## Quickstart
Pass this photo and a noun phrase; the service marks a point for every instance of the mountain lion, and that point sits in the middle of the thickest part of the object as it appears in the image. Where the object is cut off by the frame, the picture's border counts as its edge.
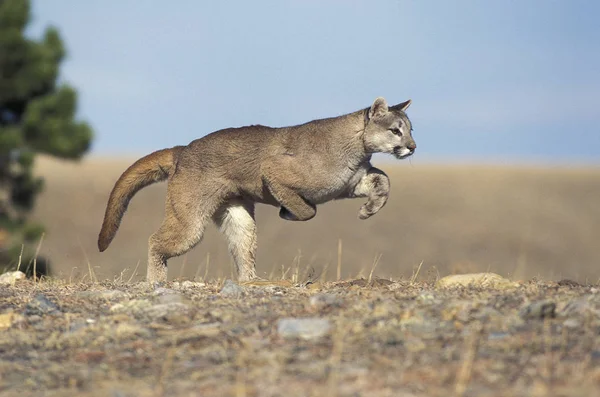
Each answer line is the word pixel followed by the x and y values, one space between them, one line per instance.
pixel 221 176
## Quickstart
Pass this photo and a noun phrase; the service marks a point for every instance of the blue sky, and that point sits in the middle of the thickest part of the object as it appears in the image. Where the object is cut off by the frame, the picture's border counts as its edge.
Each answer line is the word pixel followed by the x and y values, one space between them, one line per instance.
pixel 509 80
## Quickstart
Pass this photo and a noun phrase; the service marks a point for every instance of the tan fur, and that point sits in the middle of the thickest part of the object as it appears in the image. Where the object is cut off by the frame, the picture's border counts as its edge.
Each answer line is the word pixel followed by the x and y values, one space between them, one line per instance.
pixel 221 176
pixel 152 168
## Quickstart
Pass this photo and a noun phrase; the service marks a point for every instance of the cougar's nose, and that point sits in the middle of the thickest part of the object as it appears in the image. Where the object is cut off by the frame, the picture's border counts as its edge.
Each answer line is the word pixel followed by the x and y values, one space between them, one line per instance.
pixel 412 146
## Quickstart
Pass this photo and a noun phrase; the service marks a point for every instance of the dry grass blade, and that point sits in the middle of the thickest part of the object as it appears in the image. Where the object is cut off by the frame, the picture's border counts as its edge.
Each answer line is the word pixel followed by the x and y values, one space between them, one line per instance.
pixel 413 279
pixel 37 252
pixel 20 257
pixel 134 272
pixel 339 260
pixel 375 263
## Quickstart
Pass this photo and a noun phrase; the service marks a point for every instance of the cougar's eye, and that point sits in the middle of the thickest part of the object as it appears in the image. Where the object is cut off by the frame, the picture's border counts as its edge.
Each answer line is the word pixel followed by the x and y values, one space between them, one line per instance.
pixel 396 131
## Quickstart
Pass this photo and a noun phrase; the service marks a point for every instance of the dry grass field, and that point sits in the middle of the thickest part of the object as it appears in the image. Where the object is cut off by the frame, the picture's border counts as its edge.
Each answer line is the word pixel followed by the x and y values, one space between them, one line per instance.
pixel 520 222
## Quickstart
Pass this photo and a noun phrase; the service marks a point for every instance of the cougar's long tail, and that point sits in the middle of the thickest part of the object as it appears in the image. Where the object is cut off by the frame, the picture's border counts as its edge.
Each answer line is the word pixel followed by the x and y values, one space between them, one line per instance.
pixel 152 168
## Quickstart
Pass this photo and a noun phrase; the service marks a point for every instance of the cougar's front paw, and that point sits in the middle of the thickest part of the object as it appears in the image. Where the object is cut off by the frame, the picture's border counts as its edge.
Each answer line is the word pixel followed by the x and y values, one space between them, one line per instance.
pixel 365 212
pixel 287 215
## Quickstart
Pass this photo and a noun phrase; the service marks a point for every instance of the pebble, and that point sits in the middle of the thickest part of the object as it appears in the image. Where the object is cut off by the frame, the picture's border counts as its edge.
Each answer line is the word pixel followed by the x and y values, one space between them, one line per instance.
pixel 108 294
pixel 41 305
pixel 303 328
pixel 232 290
pixel 187 284
pixel 578 307
pixel 482 280
pixel 323 300
pixel 8 319
pixel 11 278
pixel 538 310
pixel 142 308
pixel 572 323
pixel 164 291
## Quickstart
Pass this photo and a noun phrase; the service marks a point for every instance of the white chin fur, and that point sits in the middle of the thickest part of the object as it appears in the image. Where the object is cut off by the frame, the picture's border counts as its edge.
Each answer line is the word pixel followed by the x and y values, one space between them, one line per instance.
pixel 403 153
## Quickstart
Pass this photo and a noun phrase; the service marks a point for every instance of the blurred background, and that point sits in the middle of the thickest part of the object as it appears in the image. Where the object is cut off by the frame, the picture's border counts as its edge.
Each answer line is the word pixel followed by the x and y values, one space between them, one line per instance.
pixel 506 176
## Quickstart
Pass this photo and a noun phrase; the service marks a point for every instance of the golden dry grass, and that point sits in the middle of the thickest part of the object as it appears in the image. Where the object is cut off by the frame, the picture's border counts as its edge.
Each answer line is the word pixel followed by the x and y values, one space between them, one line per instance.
pixel 520 222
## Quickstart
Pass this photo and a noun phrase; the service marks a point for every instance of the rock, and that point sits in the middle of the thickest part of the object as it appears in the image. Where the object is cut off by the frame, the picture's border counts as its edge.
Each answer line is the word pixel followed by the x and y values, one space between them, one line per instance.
pixel 578 307
pixel 538 310
pixel 172 298
pixel 375 282
pixel 569 283
pixel 130 331
pixel 166 295
pixel 107 294
pixel 133 306
pixel 498 335
pixel 187 284
pixel 232 290
pixel 572 323
pixel 10 278
pixel 141 308
pixel 426 297
pixel 8 319
pixel 313 285
pixel 323 300
pixel 268 283
pixel 167 310
pixel 41 305
pixel 303 328
pixel 414 344
pixel 481 280
pixel 164 291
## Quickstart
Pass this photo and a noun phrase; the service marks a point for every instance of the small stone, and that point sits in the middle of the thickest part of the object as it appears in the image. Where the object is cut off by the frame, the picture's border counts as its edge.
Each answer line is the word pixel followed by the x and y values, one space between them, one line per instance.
pixel 498 335
pixel 268 283
pixel 374 282
pixel 172 298
pixel 572 323
pixel 133 306
pixel 187 284
pixel 41 305
pixel 481 280
pixel 232 290
pixel 539 310
pixel 107 294
pixel 129 331
pixel 10 278
pixel 414 345
pixel 8 319
pixel 321 301
pixel 569 283
pixel 578 307
pixel 165 310
pixel 426 297
pixel 303 328
pixel 164 291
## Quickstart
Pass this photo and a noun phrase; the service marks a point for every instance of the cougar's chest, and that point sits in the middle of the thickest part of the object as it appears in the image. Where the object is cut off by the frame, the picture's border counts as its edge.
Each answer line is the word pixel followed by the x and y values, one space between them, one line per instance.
pixel 335 184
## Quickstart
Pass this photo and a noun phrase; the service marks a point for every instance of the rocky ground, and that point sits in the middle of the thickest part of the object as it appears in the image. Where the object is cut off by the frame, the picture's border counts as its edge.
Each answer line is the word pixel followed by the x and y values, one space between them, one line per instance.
pixel 346 338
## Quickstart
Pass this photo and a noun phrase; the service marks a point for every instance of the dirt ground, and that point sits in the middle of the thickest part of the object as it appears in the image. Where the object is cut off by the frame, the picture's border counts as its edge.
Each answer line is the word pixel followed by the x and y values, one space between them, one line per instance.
pixel 348 338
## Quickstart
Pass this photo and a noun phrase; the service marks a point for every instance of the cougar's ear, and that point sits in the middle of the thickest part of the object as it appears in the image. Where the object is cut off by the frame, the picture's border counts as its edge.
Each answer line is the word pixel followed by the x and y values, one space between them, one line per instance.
pixel 379 108
pixel 404 105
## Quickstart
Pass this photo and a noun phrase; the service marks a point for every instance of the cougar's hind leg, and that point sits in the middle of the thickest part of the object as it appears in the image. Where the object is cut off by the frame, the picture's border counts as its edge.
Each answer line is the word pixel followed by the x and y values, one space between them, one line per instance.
pixel 235 220
pixel 186 215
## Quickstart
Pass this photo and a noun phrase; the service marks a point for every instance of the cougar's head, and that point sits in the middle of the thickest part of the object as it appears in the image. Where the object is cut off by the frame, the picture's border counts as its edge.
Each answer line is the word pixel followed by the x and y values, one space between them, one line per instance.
pixel 388 129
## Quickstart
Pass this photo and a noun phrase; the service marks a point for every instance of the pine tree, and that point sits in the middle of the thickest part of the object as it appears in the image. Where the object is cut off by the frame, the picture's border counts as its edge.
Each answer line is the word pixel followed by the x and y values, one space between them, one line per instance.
pixel 36 116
